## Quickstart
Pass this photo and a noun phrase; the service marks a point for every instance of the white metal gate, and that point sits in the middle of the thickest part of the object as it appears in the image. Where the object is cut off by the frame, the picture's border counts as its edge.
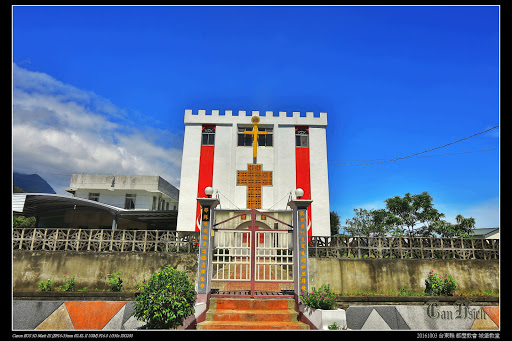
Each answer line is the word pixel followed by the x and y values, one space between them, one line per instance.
pixel 274 258
pixel 231 258
pixel 252 262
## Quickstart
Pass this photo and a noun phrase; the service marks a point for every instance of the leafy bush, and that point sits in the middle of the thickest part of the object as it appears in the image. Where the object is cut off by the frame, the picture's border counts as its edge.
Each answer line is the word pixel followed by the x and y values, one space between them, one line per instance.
pixel 70 283
pixel 322 298
pixel 45 286
pixel 437 285
pixel 166 300
pixel 334 326
pixel 116 283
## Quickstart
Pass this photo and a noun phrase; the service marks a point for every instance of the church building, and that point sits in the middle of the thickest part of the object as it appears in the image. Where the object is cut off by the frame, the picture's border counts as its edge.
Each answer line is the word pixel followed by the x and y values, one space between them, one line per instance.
pixel 254 160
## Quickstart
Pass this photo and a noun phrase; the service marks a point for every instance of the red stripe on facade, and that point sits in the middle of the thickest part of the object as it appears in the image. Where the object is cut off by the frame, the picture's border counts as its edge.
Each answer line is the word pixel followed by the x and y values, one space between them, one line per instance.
pixel 302 175
pixel 205 175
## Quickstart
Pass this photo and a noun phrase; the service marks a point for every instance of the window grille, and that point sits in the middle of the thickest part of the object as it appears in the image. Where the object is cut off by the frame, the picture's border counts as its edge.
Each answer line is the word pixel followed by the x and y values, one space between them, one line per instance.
pixel 208 136
pixel 301 137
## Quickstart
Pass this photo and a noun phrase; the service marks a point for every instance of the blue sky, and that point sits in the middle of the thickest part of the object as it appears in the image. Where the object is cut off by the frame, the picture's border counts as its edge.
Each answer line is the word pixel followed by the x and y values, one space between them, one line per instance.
pixel 103 89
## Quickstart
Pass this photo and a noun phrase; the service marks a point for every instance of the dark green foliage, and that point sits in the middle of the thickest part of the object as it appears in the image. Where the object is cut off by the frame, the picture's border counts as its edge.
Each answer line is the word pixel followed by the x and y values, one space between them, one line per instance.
pixel 335 223
pixel 410 215
pixel 166 300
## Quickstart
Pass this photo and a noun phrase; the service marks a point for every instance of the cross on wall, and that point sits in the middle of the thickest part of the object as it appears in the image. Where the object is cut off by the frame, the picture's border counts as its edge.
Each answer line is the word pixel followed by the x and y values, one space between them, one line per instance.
pixel 254 178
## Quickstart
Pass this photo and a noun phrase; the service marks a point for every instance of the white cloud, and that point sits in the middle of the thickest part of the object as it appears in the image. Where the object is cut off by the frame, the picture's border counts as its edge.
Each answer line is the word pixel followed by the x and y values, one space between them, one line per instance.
pixel 60 129
pixel 486 213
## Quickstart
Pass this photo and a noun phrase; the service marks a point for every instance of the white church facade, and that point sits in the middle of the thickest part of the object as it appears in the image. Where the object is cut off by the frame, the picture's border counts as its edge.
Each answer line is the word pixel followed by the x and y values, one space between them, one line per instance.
pixel 219 152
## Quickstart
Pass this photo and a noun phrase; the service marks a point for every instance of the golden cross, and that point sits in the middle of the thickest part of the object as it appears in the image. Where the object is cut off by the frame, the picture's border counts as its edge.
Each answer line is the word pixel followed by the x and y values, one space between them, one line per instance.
pixel 255 120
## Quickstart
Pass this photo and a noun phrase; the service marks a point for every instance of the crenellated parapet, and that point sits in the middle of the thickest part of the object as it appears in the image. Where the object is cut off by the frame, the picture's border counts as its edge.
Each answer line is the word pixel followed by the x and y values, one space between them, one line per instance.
pixel 308 118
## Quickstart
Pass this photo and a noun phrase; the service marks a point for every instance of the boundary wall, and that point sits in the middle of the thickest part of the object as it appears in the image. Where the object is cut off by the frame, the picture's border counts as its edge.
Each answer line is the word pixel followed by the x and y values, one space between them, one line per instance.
pixel 343 275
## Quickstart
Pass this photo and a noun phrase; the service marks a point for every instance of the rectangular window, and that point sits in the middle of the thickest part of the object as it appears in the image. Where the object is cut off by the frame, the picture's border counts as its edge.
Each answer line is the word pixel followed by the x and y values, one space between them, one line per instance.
pixel 129 201
pixel 245 140
pixel 208 136
pixel 265 140
pixel 301 137
pixel 153 207
pixel 94 196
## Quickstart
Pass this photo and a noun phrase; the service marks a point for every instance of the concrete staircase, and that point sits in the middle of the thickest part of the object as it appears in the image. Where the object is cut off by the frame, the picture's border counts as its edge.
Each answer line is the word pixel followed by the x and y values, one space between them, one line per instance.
pixel 250 313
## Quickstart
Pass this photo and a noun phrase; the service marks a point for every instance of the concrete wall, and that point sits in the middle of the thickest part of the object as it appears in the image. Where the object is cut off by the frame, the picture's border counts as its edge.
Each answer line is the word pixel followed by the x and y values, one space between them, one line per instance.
pixel 189 178
pixel 29 268
pixel 346 275
pixel 320 211
pixel 350 275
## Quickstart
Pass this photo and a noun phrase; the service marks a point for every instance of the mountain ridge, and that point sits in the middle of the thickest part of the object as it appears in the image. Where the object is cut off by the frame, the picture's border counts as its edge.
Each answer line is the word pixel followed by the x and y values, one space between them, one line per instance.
pixel 31 183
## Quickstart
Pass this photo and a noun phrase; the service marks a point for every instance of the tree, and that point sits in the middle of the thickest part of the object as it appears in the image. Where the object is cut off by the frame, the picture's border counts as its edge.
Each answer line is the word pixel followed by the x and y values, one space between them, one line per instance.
pixel 462 229
pixel 373 222
pixel 335 223
pixel 22 221
pixel 412 210
pixel 414 214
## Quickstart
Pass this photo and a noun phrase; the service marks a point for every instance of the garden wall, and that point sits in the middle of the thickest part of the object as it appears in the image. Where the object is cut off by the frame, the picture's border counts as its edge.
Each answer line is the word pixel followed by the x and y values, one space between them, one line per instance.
pixel 351 275
pixel 347 275
pixel 91 268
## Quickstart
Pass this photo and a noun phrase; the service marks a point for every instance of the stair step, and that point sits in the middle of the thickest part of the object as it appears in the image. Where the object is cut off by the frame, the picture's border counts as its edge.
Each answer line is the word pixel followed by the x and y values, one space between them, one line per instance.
pixel 246 325
pixel 254 303
pixel 252 315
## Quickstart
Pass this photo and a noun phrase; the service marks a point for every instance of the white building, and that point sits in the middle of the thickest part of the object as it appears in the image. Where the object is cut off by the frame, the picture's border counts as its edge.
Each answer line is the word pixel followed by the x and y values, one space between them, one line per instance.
pixel 131 192
pixel 218 151
pixel 104 201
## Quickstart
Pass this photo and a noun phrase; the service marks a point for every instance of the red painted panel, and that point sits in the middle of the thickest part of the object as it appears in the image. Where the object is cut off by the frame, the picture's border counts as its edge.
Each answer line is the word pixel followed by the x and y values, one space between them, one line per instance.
pixel 302 176
pixel 205 175
pixel 92 315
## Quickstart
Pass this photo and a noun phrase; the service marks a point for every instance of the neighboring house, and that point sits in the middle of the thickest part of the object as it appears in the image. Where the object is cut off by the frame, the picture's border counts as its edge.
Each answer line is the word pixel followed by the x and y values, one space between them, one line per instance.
pixel 105 201
pixel 487 233
pixel 131 192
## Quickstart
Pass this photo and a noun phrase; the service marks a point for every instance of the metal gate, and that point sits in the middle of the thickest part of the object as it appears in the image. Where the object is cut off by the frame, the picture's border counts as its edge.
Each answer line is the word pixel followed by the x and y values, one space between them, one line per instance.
pixel 252 261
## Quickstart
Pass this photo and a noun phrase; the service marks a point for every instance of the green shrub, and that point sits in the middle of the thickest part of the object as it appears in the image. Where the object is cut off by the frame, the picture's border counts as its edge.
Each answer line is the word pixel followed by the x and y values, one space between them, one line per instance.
pixel 334 326
pixel 115 280
pixel 70 283
pixel 322 298
pixel 437 285
pixel 45 286
pixel 166 300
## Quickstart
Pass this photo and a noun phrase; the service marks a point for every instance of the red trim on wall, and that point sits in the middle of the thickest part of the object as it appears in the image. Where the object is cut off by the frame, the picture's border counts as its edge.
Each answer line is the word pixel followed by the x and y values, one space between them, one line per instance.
pixel 205 174
pixel 302 175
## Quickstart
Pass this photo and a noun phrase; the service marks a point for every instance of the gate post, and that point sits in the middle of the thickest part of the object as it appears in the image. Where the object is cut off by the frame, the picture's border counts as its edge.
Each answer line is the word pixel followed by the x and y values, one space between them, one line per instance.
pixel 300 245
pixel 205 243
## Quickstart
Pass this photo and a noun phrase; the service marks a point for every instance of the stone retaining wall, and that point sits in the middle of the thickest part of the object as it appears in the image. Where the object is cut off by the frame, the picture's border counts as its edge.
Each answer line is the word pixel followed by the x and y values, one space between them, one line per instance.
pixel 351 275
pixel 91 268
